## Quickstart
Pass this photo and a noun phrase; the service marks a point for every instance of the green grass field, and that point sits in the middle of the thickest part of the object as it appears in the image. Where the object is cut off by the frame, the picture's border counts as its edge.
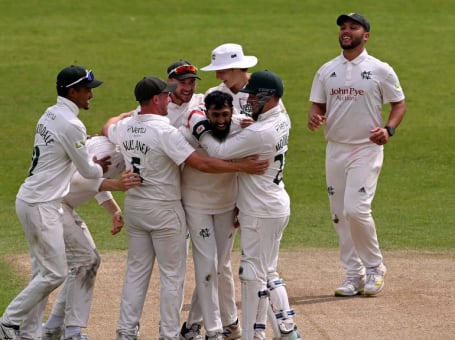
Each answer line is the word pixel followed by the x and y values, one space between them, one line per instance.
pixel 125 40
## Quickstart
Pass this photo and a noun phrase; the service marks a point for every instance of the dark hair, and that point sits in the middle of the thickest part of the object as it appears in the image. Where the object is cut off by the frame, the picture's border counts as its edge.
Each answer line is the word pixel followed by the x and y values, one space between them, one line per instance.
pixel 62 91
pixel 218 99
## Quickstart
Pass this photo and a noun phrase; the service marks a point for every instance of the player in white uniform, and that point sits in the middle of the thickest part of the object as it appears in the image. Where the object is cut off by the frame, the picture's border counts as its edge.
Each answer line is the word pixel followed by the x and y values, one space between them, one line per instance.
pixel 264 206
pixel 59 149
pixel 231 67
pixel 72 306
pixel 209 203
pixel 154 215
pixel 184 73
pixel 348 93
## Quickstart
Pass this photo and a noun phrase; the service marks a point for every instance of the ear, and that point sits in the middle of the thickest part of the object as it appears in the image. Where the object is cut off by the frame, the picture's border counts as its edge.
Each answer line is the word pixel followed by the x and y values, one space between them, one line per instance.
pixel 366 36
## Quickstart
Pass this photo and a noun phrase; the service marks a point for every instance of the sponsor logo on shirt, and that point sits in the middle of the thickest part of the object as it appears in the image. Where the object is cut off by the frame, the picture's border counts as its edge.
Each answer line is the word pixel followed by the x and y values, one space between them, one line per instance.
pixel 347 93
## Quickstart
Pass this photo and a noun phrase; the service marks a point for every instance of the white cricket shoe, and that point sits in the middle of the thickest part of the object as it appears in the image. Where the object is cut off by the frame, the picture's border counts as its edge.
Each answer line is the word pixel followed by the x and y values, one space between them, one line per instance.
pixel 288 330
pixel 375 280
pixel 193 333
pixel 9 332
pixel 233 331
pixel 217 336
pixel 351 286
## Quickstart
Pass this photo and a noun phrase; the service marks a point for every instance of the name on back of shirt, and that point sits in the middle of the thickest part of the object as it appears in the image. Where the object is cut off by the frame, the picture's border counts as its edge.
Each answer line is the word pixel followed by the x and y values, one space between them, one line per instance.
pixel 135 145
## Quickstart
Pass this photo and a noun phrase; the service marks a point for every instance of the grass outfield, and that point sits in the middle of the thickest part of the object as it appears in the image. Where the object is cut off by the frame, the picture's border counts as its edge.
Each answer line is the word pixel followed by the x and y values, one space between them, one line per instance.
pixel 125 40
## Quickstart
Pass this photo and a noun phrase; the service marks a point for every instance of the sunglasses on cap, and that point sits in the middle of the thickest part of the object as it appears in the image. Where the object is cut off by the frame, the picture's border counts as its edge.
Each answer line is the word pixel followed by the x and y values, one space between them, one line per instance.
pixel 183 69
pixel 88 76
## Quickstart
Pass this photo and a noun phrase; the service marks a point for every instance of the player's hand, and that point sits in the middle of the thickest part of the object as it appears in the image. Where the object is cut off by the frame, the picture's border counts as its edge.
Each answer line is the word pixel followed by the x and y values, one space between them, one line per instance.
pixel 252 165
pixel 246 122
pixel 315 121
pixel 130 179
pixel 117 223
pixel 103 162
pixel 379 136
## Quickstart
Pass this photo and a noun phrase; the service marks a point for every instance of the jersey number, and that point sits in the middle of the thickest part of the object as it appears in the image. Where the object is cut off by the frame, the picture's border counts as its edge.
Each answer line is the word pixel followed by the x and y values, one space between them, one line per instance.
pixel 35 157
pixel 136 161
pixel 279 175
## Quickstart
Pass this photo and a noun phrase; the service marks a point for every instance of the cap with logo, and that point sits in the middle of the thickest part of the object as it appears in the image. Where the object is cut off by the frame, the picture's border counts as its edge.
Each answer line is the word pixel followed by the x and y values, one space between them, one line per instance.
pixel 148 87
pixel 182 69
pixel 356 17
pixel 229 56
pixel 77 76
pixel 264 82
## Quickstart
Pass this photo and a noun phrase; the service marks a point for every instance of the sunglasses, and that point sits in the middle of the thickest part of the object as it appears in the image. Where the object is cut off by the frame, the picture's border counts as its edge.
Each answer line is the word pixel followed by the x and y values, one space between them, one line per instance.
pixel 183 69
pixel 88 75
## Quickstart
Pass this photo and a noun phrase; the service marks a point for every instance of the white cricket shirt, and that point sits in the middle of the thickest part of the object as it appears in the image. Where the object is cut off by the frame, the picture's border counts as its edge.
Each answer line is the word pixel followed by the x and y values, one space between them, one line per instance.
pixel 59 150
pixel 153 147
pixel 176 112
pixel 259 195
pixel 354 92
pixel 201 191
pixel 83 189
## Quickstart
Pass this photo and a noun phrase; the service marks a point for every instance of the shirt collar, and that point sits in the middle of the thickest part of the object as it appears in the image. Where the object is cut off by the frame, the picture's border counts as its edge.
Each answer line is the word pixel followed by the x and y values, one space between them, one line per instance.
pixel 69 104
pixel 272 112
pixel 151 117
pixel 361 57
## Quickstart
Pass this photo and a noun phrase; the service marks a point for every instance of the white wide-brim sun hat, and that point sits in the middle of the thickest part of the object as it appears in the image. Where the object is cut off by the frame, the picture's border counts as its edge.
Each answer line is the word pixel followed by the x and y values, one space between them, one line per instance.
pixel 229 56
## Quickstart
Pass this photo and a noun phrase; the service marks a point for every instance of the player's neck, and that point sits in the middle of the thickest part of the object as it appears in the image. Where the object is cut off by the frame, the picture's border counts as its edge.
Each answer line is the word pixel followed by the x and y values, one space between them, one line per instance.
pixel 353 53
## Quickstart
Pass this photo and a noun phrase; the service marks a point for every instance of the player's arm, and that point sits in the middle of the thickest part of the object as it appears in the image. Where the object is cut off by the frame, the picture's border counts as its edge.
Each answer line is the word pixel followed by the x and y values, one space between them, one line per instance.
pixel 316 115
pixel 126 181
pixel 249 165
pixel 73 140
pixel 381 135
pixel 114 120
pixel 114 210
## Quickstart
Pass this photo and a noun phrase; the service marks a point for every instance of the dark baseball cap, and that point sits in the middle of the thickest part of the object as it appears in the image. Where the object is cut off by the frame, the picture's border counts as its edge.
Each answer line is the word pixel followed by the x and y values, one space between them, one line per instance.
pixel 182 69
pixel 148 87
pixel 77 76
pixel 356 17
pixel 264 81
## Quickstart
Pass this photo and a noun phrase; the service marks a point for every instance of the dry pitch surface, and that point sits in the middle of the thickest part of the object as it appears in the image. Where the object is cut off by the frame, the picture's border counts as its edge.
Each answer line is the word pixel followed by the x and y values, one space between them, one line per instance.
pixel 418 301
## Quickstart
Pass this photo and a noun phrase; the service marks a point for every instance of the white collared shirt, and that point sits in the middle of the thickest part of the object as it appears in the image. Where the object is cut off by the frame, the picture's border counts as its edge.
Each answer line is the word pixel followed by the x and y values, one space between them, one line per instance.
pixel 354 92
pixel 59 150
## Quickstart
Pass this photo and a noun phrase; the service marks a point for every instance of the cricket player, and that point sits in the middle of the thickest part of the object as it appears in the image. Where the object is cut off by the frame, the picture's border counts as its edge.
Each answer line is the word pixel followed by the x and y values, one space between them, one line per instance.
pixel 59 150
pixel 71 309
pixel 154 216
pixel 348 93
pixel 209 202
pixel 263 203
pixel 231 67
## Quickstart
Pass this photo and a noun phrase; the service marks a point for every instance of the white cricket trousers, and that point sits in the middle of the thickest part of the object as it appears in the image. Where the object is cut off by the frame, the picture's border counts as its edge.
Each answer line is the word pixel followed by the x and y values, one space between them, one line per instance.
pixel 75 297
pixel 43 227
pixel 155 229
pixel 260 245
pixel 352 173
pixel 213 300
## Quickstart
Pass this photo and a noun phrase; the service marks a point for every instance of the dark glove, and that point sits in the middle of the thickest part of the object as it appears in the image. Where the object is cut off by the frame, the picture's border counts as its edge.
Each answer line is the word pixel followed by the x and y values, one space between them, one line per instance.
pixel 201 128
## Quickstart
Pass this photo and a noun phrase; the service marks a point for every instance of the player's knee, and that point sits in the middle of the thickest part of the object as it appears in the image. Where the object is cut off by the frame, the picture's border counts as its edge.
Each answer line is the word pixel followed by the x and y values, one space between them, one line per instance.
pixel 247 272
pixel 356 212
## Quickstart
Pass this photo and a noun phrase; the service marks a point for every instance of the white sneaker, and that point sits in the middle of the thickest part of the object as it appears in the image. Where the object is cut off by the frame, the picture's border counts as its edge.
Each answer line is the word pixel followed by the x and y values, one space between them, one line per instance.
pixel 351 286
pixel 233 331
pixel 9 332
pixel 288 330
pixel 193 333
pixel 217 336
pixel 375 280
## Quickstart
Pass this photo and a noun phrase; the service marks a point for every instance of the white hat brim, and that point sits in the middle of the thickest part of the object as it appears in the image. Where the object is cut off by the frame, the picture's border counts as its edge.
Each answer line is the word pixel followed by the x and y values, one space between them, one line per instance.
pixel 246 62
